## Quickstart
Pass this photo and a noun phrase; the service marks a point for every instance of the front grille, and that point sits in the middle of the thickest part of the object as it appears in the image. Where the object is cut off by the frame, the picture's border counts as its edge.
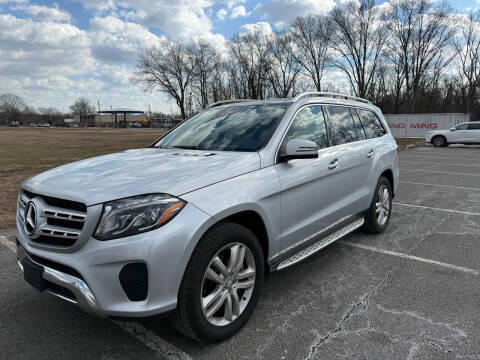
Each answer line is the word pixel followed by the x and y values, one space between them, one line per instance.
pixel 62 220
pixel 134 281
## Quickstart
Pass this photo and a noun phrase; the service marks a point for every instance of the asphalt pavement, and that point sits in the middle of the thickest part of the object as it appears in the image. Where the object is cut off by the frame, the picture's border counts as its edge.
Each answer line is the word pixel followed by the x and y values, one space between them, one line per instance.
pixel 410 293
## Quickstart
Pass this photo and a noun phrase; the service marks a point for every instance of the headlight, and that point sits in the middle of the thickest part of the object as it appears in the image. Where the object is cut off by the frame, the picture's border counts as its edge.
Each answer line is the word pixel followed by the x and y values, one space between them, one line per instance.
pixel 136 215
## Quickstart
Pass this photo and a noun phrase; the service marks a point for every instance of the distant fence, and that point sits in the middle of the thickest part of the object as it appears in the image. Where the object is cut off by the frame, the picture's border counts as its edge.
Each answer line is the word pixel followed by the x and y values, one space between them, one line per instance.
pixel 416 125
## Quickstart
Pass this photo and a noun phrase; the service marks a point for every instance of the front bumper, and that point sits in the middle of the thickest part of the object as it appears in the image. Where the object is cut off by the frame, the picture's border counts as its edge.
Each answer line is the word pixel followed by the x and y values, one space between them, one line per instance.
pixel 97 289
pixel 82 296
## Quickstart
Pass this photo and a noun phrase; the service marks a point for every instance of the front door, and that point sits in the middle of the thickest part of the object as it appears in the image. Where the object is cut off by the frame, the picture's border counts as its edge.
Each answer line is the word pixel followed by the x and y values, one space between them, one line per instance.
pixel 313 190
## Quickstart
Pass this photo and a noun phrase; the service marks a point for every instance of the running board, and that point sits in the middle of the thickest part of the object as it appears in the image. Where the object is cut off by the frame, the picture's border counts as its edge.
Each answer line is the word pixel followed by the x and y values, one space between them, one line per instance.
pixel 321 242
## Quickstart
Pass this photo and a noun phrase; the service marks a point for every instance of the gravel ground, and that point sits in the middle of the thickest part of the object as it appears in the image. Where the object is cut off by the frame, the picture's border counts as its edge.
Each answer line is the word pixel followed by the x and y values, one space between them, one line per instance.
pixel 412 292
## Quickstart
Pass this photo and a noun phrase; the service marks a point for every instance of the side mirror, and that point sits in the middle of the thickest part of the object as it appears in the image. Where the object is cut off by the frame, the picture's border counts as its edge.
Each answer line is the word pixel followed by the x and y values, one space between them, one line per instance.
pixel 299 149
pixel 453 129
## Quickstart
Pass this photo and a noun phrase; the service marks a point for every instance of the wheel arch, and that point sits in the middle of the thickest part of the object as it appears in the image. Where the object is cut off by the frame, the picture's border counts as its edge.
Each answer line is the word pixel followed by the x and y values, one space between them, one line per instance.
pixel 388 174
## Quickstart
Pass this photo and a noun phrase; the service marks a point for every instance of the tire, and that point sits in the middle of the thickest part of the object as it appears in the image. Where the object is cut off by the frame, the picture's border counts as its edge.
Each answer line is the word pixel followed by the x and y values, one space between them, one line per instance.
pixel 197 286
pixel 374 223
pixel 439 141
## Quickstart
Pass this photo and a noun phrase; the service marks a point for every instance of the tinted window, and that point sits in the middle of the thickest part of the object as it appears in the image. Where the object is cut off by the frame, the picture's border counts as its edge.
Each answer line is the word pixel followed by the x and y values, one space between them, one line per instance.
pixel 229 128
pixel 474 126
pixel 358 125
pixel 462 127
pixel 342 128
pixel 309 124
pixel 372 125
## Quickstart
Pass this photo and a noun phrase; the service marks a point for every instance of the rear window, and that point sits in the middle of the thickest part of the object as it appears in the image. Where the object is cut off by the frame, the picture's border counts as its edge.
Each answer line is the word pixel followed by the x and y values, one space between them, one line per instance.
pixel 371 124
pixel 342 127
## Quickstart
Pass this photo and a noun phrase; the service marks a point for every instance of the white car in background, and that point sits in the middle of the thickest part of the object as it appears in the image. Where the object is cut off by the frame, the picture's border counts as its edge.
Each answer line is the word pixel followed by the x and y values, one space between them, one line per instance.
pixel 465 133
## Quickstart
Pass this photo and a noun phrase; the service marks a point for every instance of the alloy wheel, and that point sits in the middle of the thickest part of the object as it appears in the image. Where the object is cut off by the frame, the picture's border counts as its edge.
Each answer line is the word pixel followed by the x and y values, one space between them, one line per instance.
pixel 382 206
pixel 228 284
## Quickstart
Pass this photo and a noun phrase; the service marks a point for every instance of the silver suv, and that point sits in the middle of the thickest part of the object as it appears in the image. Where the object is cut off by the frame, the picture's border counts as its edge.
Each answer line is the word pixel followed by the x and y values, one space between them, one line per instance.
pixel 190 225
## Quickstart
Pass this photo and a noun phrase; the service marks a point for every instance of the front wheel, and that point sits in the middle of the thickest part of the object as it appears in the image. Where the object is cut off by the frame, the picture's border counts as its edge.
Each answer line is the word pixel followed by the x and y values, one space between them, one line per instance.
pixel 439 141
pixel 221 285
pixel 380 211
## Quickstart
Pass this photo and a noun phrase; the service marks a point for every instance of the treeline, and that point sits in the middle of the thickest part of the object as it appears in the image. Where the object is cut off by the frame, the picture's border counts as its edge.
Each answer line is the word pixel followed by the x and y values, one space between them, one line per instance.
pixel 15 111
pixel 406 56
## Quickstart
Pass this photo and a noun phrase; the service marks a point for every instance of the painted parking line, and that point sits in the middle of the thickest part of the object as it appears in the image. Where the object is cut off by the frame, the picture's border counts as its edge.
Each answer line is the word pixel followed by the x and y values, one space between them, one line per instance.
pixel 437 209
pixel 10 245
pixel 438 185
pixel 442 172
pixel 430 163
pixel 162 348
pixel 412 257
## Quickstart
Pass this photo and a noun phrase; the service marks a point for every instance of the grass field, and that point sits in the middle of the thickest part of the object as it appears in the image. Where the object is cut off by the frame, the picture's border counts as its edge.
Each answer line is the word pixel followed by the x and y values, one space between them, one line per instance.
pixel 25 152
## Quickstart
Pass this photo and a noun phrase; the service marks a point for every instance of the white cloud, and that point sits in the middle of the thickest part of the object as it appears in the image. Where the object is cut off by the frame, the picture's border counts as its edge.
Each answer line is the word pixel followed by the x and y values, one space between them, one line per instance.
pixel 42 48
pixel 44 13
pixel 116 41
pixel 261 28
pixel 281 12
pixel 177 19
pixel 239 11
pixel 221 14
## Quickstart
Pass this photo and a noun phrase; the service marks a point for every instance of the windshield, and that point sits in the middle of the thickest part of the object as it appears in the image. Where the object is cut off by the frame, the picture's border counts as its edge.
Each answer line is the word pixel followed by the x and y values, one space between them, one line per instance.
pixel 228 128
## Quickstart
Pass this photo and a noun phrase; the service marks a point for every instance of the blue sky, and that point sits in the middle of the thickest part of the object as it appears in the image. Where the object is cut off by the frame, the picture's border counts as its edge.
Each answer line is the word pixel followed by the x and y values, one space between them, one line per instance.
pixel 52 52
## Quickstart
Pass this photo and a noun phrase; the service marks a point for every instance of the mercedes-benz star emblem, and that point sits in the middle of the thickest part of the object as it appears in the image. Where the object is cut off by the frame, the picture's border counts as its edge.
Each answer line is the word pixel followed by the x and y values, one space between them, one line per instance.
pixel 30 218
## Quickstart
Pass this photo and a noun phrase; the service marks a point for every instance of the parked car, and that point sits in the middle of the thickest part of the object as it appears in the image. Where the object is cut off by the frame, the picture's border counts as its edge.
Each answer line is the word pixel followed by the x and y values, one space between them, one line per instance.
pixel 465 133
pixel 33 124
pixel 189 226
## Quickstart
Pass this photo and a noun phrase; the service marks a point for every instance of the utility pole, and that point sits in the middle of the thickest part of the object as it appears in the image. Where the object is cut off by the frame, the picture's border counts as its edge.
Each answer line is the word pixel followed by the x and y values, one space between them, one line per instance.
pixel 99 115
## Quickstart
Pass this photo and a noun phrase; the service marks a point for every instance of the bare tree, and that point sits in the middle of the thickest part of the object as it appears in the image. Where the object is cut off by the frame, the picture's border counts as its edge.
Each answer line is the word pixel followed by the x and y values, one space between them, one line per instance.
pixel 248 65
pixel 170 69
pixel 207 60
pixel 359 39
pixel 283 70
pixel 467 46
pixel 11 106
pixel 81 106
pixel 420 33
pixel 311 36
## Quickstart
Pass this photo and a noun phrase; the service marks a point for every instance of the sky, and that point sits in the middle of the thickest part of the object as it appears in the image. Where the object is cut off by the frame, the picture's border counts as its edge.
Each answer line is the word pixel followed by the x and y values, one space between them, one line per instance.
pixel 52 52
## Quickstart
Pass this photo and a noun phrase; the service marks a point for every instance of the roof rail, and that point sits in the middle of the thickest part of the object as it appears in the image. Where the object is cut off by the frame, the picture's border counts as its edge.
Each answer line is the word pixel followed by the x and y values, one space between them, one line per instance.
pixel 328 94
pixel 232 101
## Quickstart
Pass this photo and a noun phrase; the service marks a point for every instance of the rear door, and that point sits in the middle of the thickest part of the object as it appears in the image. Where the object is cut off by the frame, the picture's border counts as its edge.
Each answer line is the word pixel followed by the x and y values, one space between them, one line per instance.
pixel 474 132
pixel 309 187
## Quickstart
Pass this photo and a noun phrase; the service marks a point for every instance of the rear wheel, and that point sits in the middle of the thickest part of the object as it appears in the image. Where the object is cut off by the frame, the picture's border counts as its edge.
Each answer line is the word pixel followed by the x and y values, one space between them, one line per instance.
pixel 378 215
pixel 221 285
pixel 439 141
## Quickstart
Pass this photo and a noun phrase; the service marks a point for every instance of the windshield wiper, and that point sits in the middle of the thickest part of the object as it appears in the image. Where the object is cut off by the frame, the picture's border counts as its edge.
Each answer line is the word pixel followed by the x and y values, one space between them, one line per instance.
pixel 187 147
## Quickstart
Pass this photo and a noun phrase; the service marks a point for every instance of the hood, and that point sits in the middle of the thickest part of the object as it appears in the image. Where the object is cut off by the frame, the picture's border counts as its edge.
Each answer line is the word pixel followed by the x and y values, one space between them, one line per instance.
pixel 141 171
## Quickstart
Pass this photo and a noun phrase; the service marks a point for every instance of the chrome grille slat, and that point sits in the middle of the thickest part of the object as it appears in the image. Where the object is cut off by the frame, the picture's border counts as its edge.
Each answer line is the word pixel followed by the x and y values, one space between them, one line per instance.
pixel 60 233
pixel 64 215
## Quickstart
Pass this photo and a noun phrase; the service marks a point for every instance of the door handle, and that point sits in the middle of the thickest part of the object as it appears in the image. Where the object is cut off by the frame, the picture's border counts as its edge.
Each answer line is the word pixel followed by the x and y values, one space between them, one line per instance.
pixel 333 164
pixel 370 153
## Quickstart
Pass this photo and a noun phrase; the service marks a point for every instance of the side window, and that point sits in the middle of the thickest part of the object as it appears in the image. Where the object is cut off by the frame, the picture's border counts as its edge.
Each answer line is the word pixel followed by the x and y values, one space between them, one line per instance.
pixel 342 127
pixel 474 126
pixel 309 124
pixel 462 127
pixel 372 125
pixel 358 125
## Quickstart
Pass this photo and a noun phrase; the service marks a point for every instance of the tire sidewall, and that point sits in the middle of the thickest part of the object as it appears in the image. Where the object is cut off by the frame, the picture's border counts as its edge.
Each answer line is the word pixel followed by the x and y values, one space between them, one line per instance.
pixel 201 326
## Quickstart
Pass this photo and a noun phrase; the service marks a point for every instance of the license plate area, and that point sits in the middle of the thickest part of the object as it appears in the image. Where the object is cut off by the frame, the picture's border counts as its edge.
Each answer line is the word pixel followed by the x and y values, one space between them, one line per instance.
pixel 32 272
